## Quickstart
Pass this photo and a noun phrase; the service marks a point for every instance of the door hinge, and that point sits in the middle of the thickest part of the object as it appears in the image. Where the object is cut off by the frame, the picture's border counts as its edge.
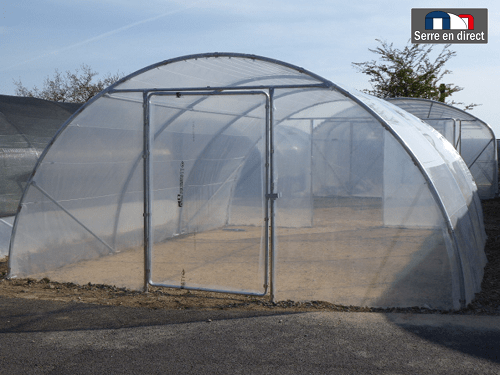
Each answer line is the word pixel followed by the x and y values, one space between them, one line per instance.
pixel 273 196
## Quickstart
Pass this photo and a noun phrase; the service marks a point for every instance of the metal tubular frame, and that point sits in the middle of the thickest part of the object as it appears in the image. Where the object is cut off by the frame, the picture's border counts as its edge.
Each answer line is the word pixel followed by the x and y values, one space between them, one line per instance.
pixel 148 225
pixel 271 195
pixel 311 80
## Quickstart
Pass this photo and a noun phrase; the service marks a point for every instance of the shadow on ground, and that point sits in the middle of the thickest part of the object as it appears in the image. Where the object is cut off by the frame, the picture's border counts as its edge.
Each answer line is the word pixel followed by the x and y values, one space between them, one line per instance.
pixel 24 315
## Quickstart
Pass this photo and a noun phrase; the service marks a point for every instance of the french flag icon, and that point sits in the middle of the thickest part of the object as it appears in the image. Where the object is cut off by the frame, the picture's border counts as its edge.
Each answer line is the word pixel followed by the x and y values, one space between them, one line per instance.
pixel 439 20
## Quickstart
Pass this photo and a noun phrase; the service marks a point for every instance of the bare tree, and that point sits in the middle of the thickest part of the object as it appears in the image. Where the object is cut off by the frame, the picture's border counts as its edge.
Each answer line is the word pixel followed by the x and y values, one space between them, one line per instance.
pixel 70 87
pixel 410 72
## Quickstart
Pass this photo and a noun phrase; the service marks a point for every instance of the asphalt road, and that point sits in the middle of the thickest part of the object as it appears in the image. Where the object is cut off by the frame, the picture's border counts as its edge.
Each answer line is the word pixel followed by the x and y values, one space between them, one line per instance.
pixel 47 337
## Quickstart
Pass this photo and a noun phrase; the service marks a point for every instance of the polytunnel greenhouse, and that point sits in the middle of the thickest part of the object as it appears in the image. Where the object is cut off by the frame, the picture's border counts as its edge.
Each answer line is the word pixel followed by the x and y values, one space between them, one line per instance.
pixel 242 174
pixel 26 127
pixel 473 138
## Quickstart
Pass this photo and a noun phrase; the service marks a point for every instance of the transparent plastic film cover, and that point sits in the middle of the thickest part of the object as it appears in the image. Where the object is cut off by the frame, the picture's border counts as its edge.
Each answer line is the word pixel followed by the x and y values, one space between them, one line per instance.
pixel 224 172
pixel 27 125
pixel 371 240
pixel 474 139
pixel 81 219
pixel 479 152
pixel 217 71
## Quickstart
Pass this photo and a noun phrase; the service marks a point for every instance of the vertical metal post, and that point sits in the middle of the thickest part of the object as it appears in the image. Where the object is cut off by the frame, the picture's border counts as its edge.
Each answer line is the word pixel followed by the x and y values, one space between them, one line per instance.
pixel 311 173
pixel 271 194
pixel 351 187
pixel 455 138
pixel 266 195
pixel 148 228
pixel 460 137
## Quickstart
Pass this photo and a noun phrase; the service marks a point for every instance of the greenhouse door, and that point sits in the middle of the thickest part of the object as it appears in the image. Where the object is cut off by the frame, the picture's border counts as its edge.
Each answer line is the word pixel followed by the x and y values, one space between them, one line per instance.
pixel 206 172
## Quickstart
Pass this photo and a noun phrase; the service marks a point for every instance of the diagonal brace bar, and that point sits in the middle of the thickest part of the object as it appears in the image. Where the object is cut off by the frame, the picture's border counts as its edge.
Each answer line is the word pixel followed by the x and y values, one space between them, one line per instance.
pixel 33 183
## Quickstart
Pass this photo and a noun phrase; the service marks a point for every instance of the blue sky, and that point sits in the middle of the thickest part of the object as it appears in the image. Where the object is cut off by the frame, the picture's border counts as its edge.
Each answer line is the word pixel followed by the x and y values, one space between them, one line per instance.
pixel 325 37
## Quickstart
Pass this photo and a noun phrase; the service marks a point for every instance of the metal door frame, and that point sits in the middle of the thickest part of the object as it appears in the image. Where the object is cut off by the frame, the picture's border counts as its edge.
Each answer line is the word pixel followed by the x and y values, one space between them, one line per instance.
pixel 268 194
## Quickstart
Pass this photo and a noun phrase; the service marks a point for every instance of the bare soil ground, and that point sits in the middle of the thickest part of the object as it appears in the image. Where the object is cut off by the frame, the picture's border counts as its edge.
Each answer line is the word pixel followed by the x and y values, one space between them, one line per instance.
pixel 486 302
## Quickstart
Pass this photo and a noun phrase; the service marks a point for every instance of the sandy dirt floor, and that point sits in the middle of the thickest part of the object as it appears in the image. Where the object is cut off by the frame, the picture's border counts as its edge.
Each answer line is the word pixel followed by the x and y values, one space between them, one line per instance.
pixel 486 302
pixel 346 257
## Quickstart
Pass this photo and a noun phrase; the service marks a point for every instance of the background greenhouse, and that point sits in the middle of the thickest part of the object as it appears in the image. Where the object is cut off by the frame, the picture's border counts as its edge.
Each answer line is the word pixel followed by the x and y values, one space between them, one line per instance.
pixel 242 174
pixel 473 138
pixel 27 126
